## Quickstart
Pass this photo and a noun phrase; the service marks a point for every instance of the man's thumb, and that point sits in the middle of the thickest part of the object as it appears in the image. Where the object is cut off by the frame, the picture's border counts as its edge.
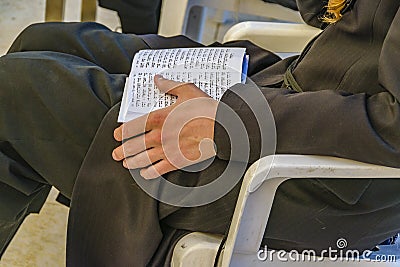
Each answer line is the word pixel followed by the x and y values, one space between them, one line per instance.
pixel 169 86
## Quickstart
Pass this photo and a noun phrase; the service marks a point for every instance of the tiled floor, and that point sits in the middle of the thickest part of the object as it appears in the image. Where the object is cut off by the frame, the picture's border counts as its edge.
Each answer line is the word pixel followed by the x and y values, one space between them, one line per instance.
pixel 40 242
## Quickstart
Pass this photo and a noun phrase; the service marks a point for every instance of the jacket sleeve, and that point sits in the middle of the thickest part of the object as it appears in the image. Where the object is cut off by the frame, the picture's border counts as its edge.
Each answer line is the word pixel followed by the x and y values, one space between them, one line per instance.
pixel 359 127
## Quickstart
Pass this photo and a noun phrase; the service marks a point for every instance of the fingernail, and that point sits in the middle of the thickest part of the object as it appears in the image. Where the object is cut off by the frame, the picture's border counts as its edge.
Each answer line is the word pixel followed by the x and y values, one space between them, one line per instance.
pixel 117 135
pixel 159 77
pixel 145 174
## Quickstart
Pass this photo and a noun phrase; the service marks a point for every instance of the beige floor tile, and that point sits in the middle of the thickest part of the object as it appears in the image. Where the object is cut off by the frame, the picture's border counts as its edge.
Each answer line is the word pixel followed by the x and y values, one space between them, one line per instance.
pixel 40 242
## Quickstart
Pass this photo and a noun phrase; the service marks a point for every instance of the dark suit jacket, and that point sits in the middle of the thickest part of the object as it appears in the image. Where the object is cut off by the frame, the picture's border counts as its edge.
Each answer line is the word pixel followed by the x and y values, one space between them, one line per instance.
pixel 350 104
pixel 286 3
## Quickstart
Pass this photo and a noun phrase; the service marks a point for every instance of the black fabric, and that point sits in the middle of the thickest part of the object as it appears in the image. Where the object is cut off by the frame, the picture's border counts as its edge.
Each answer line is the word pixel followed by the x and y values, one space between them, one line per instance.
pixel 50 116
pixel 312 11
pixel 136 16
pixel 286 3
pixel 14 207
pixel 136 216
pixel 347 93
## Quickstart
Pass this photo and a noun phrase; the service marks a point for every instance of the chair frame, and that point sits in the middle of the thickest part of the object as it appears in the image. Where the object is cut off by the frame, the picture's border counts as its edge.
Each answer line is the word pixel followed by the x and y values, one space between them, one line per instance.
pixel 281 38
pixel 175 13
pixel 250 217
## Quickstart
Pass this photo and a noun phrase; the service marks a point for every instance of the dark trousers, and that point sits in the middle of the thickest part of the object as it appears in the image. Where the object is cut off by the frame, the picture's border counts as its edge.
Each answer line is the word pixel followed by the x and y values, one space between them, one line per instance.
pixel 60 88
pixel 50 117
pixel 136 16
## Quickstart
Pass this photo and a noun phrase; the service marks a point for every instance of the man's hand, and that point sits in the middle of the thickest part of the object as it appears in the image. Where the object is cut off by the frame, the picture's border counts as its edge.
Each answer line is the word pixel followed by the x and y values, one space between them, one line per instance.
pixel 170 138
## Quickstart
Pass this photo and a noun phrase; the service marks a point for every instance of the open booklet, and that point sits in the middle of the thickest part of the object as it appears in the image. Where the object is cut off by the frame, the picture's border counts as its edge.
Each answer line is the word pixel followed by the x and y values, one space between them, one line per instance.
pixel 212 69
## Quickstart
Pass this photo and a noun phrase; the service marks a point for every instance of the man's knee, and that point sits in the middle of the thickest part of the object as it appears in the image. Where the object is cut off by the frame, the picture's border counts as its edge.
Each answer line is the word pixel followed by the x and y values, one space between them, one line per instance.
pixel 50 36
pixel 33 34
pixel 19 72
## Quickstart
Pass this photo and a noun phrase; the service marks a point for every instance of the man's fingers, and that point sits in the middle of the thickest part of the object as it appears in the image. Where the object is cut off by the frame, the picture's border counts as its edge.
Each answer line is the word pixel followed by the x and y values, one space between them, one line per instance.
pixel 156 118
pixel 145 123
pixel 129 148
pixel 157 170
pixel 131 128
pixel 143 159
pixel 137 145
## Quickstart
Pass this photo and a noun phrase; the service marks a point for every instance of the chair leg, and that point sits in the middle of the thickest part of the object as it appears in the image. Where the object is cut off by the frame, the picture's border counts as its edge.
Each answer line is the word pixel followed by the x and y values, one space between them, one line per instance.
pixel 88 12
pixel 54 10
pixel 173 17
pixel 195 23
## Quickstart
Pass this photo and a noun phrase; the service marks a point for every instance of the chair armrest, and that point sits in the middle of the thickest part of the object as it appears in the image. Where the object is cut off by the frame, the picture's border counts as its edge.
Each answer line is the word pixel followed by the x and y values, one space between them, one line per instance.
pixel 261 182
pixel 273 36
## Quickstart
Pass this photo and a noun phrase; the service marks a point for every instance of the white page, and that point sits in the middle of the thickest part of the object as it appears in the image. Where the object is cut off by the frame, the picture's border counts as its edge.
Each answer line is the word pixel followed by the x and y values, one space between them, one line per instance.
pixel 213 70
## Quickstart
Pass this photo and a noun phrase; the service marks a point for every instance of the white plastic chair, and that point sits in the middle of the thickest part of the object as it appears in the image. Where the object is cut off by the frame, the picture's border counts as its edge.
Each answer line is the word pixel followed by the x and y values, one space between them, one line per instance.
pixel 253 208
pixel 175 13
pixel 282 38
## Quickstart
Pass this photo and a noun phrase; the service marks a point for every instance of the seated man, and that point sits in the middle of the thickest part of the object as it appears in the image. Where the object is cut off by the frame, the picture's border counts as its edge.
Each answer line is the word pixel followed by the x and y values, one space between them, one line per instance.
pixel 340 97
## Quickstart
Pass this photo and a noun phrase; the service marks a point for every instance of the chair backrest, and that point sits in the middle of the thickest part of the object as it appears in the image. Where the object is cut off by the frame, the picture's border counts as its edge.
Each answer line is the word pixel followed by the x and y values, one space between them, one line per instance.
pixel 282 38
pixel 177 15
